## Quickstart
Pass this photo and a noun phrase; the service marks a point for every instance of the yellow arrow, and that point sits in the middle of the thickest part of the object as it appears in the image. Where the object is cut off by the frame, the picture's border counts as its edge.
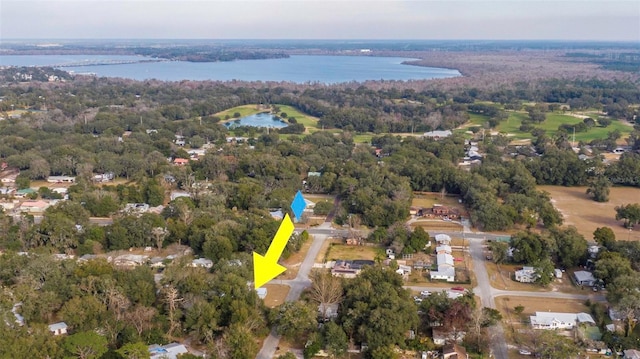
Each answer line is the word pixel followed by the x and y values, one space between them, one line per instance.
pixel 266 267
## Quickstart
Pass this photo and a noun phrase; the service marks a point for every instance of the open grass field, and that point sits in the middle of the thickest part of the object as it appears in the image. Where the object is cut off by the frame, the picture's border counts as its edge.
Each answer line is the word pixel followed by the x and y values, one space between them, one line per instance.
pixel 343 251
pixel 554 120
pixel 587 215
pixel 244 110
pixel 429 199
pixel 310 122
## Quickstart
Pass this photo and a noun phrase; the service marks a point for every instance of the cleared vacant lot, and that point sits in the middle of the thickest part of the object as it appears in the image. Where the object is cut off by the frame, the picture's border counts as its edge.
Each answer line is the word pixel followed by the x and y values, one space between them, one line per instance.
pixel 587 215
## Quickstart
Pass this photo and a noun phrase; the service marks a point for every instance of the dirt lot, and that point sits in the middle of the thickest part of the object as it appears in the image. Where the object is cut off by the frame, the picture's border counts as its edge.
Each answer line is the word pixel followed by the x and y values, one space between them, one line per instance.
pixel 294 261
pixel 343 251
pixel 276 294
pixel 587 215
pixel 436 225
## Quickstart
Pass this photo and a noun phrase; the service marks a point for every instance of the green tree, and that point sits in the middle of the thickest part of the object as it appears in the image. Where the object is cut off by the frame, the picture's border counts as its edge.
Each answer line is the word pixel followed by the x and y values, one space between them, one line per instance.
pixel 605 237
pixel 376 309
pixel 572 247
pixel 599 188
pixel 295 319
pixel 240 343
pixel 85 345
pixel 335 339
pixel 136 350
pixel 83 313
pixel 499 251
pixel 630 213
pixel 544 269
pixel 612 265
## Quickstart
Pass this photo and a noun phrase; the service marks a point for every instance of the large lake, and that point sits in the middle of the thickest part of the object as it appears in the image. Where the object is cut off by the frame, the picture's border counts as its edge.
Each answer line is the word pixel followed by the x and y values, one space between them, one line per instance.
pixel 298 68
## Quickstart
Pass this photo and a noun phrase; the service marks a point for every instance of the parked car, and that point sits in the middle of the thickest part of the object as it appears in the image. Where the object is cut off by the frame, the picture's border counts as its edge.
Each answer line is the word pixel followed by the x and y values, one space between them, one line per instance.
pixel 425 293
pixel 524 352
pixel 417 299
pixel 461 289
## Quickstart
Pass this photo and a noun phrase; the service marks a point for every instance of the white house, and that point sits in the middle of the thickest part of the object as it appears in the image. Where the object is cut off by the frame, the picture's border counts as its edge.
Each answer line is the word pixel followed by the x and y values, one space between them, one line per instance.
pixel 61 179
pixel 59 328
pixel 443 249
pixel 446 268
pixel 443 239
pixel 202 262
pixel 526 275
pixel 438 134
pixel 169 351
pixel 551 320
pixel 262 292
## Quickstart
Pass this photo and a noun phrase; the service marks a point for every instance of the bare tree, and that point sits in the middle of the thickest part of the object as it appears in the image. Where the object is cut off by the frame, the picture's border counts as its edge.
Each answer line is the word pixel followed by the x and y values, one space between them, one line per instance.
pixel 141 318
pixel 326 290
pixel 158 234
pixel 171 298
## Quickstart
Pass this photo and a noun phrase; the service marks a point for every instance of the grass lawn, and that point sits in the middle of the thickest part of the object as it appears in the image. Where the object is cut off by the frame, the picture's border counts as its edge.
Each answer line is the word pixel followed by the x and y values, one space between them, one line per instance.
pixel 363 137
pixel 503 279
pixel 306 120
pixel 310 122
pixel 553 121
pixel 244 110
pixel 428 199
pixel 345 252
pixel 587 215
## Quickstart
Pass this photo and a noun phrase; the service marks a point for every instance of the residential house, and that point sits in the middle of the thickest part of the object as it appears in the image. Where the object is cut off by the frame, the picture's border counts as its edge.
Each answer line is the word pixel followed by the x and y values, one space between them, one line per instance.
pixel 202 262
pixel 438 134
pixel 277 214
pixel 328 311
pixel 446 270
pixel 136 207
pixel 180 161
pixel 631 354
pixel 61 179
pixel 169 351
pixel 7 191
pixel 526 275
pixel 314 174
pixel 104 177
pixel 551 320
pixel 349 269
pixel 22 193
pixel 59 328
pixel 34 207
pixel 454 351
pixel 584 278
pixel 443 249
pixel 130 260
pixel 443 239
pixel 262 292
pixel 442 337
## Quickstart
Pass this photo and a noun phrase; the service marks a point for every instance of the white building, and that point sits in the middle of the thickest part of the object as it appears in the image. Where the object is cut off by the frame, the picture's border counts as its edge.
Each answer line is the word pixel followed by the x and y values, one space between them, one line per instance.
pixel 526 275
pixel 443 239
pixel 446 270
pixel 202 262
pixel 551 320
pixel 262 292
pixel 169 351
pixel 59 328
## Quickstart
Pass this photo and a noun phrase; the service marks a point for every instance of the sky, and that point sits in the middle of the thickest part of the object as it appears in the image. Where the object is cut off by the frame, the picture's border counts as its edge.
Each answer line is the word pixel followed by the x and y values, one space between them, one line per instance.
pixel 607 20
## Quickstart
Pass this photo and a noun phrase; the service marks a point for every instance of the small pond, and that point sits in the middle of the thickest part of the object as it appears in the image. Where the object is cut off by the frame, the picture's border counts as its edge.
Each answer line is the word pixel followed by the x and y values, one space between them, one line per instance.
pixel 263 119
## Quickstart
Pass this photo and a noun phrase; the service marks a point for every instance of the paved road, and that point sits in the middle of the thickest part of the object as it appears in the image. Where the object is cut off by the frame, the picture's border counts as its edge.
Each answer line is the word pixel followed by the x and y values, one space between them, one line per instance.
pixel 484 290
pixel 297 285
